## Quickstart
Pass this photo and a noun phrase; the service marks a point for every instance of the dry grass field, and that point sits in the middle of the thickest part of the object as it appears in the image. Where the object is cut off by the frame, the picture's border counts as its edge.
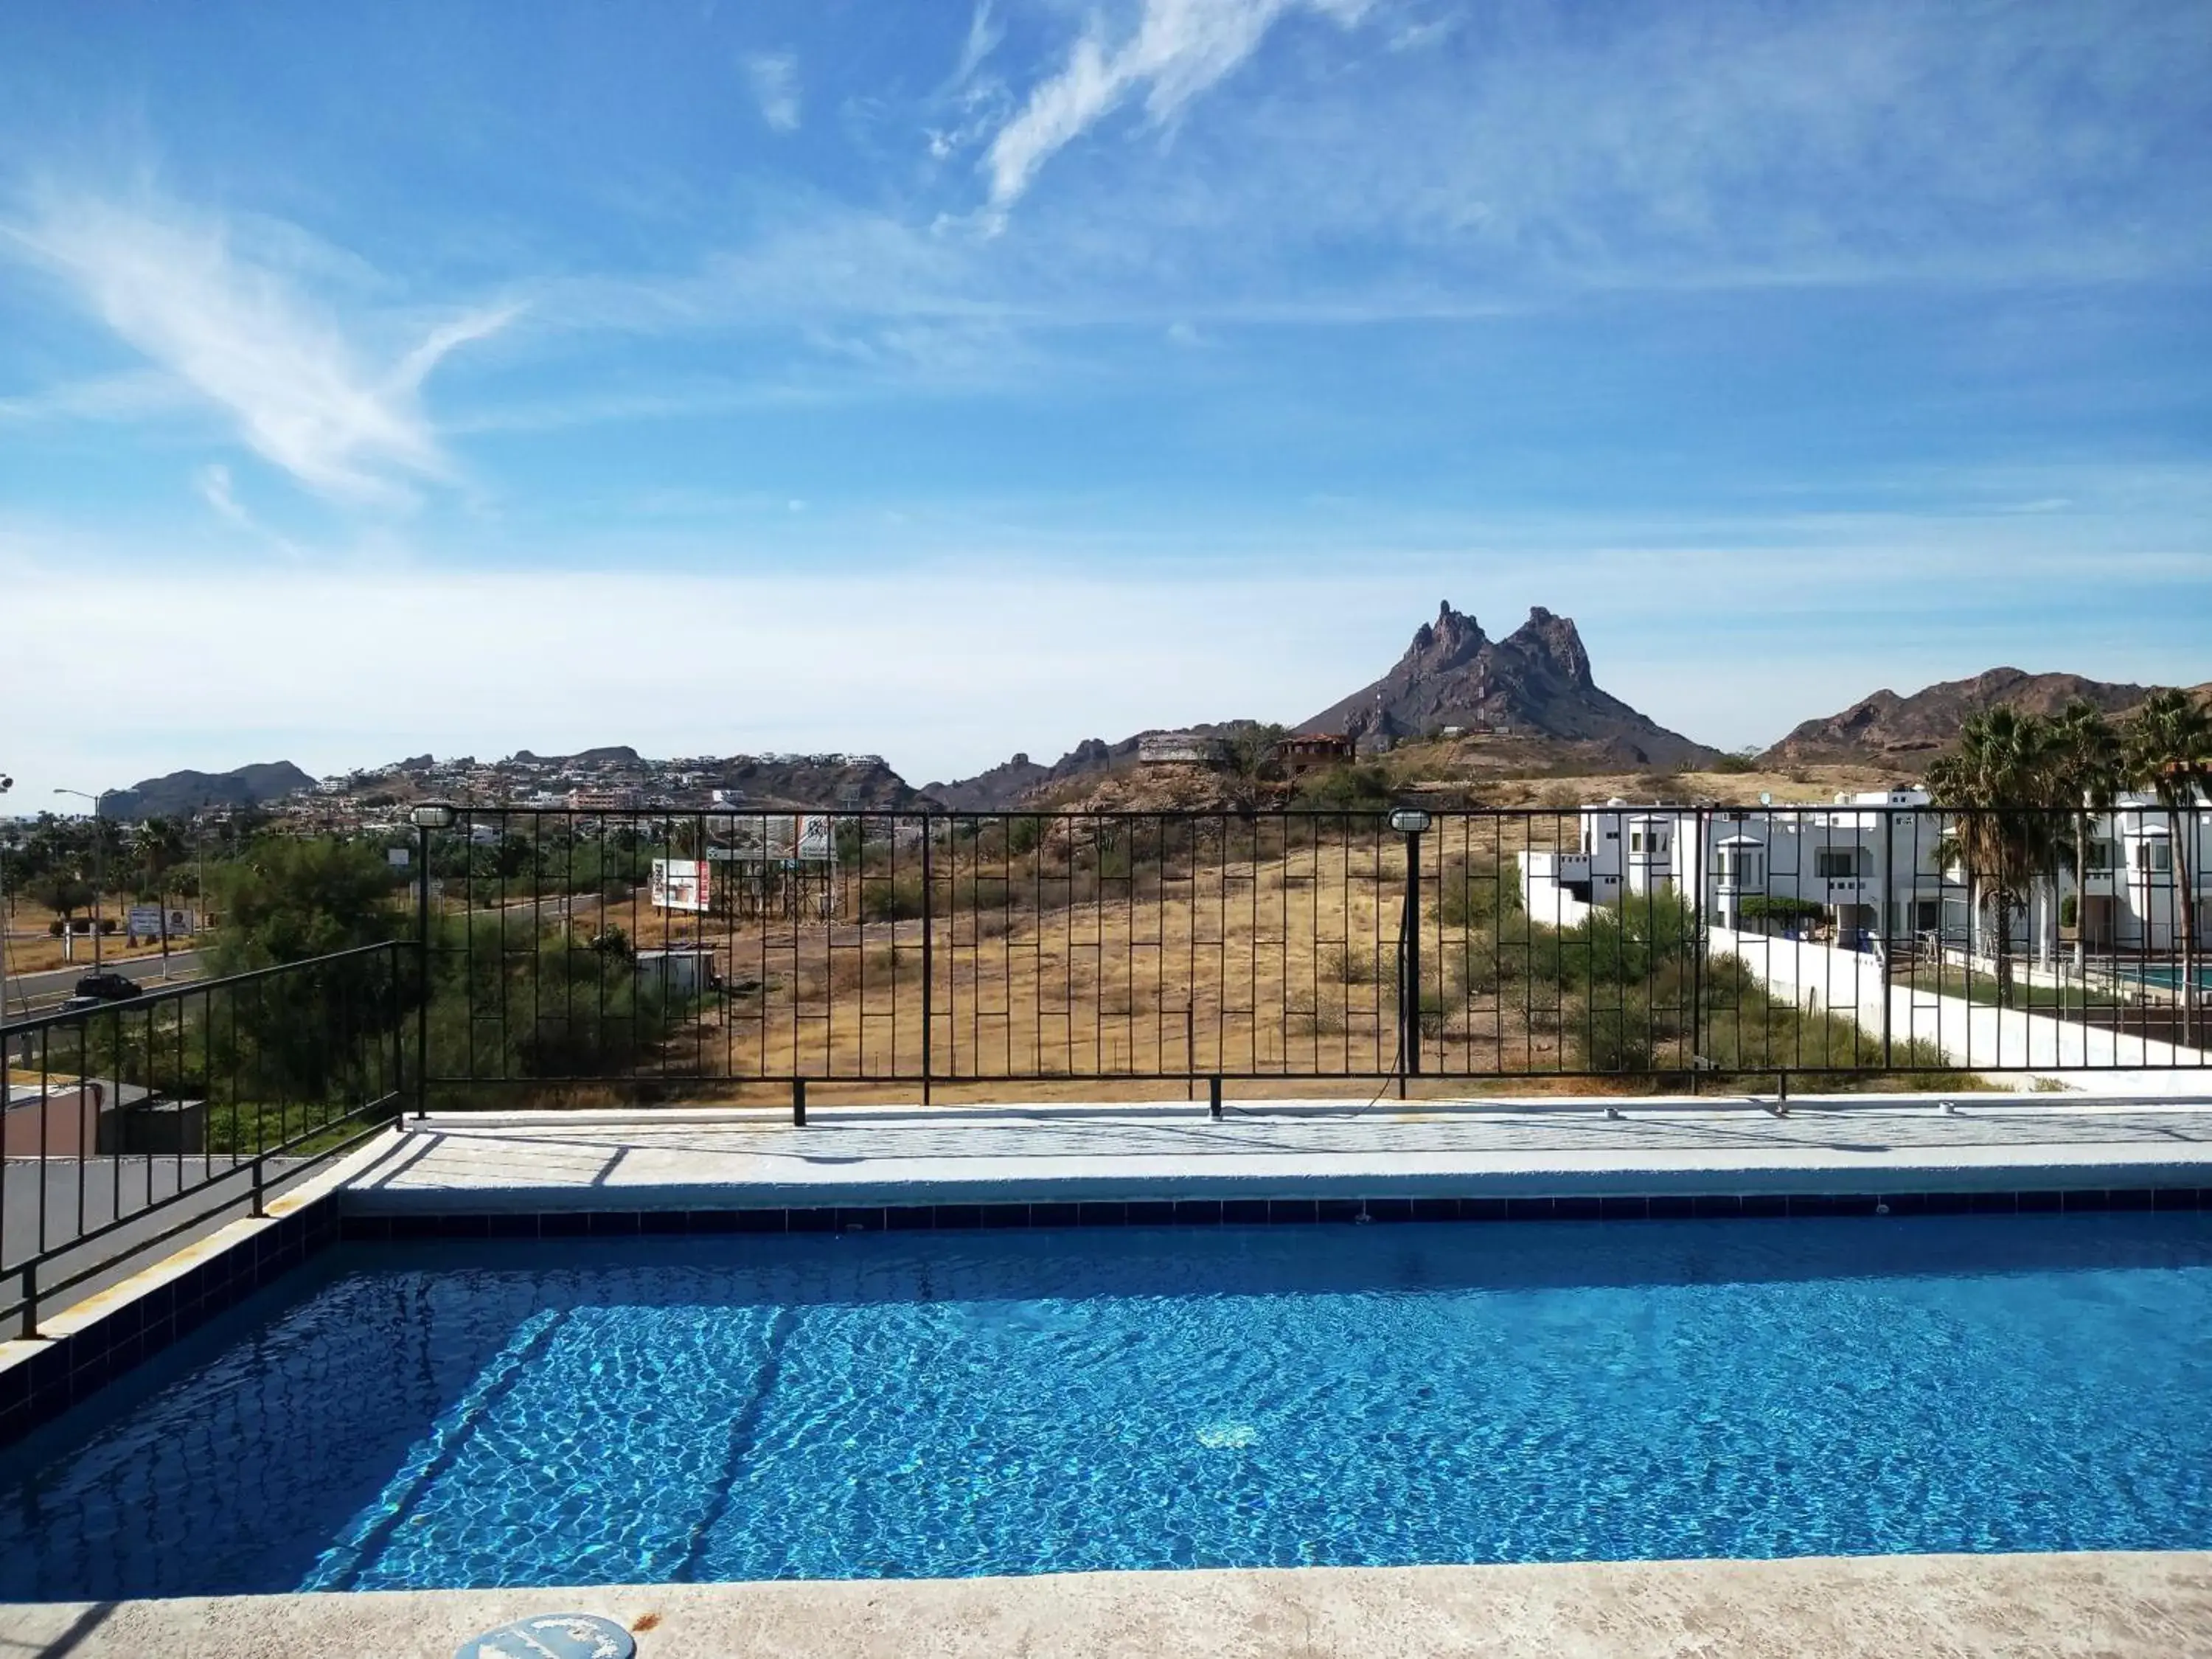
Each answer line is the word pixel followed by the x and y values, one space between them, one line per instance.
pixel 1144 949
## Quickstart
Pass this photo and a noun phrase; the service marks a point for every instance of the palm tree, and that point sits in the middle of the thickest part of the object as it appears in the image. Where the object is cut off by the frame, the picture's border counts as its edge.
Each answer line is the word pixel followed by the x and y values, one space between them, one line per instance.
pixel 2000 782
pixel 160 843
pixel 2087 772
pixel 2168 751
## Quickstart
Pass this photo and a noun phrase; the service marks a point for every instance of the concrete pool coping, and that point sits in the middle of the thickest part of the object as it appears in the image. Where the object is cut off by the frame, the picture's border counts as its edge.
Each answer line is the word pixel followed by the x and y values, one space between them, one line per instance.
pixel 642 1161
pixel 2118 1606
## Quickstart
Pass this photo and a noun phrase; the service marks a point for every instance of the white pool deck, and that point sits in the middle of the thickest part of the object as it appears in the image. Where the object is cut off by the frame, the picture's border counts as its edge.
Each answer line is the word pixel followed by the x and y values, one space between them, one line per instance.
pixel 885 1156
pixel 2021 1606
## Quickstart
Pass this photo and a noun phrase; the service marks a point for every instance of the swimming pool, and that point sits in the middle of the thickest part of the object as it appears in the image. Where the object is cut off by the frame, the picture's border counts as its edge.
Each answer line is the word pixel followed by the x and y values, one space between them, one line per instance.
pixel 947 1404
pixel 2169 977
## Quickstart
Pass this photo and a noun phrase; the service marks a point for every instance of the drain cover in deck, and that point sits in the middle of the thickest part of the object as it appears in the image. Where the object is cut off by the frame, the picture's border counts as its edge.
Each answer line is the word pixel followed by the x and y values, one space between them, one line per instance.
pixel 552 1636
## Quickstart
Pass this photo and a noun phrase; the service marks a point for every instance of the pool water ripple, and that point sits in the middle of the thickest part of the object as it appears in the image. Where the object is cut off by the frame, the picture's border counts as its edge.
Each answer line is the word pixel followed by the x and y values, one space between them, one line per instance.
pixel 954 1404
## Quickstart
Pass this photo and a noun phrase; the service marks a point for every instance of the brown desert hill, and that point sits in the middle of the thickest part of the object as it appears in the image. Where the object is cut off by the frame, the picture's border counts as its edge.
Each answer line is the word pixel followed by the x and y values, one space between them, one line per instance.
pixel 1535 683
pixel 1907 732
pixel 1011 782
pixel 178 794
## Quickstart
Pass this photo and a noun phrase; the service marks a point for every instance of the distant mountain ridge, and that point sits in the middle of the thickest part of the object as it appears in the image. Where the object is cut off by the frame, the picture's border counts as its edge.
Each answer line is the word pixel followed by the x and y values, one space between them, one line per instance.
pixel 1908 732
pixel 1535 682
pixel 1011 781
pixel 179 793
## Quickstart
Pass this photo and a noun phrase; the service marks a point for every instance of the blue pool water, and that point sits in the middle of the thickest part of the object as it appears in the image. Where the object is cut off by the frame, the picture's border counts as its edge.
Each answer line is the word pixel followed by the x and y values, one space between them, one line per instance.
pixel 895 1404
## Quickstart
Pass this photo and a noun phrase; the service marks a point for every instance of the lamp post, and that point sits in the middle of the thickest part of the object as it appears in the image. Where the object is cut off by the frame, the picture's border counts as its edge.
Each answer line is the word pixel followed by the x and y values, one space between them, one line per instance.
pixel 1410 822
pixel 99 869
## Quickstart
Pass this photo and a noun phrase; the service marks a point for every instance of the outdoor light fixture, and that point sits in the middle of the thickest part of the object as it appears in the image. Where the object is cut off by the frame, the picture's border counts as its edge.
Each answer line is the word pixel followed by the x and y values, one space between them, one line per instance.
pixel 431 815
pixel 1409 820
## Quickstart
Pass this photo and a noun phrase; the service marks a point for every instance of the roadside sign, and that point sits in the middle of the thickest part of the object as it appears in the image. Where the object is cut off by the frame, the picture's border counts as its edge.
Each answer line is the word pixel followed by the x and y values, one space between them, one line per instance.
pixel 398 857
pixel 144 921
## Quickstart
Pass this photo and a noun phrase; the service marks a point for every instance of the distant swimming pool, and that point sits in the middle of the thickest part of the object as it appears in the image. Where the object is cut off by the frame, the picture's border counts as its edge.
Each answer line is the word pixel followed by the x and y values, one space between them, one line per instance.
pixel 2170 977
pixel 946 1404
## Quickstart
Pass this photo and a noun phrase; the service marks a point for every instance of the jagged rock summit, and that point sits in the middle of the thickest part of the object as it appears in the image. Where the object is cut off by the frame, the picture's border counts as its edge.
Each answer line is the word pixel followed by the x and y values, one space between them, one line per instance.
pixel 1535 683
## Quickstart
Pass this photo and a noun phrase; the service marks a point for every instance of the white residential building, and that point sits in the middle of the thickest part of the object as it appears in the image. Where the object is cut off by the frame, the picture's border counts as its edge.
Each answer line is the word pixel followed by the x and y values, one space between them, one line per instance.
pixel 1875 866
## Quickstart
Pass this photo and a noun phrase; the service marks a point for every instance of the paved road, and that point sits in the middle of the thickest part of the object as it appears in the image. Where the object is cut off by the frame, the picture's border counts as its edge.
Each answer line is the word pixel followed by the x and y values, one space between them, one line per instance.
pixel 52 985
pixel 82 1195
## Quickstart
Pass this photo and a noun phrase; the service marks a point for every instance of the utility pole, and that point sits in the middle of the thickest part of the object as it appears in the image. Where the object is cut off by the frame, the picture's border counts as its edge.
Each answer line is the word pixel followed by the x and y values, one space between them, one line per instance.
pixel 99 870
pixel 6 784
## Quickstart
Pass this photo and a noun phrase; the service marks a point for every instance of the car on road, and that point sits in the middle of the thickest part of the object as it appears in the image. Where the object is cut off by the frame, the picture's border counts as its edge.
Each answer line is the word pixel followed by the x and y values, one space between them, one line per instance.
pixel 97 989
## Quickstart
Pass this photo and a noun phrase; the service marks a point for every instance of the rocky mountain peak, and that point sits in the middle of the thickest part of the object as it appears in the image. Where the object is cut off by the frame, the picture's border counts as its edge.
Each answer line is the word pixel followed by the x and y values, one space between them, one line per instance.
pixel 1557 642
pixel 1533 682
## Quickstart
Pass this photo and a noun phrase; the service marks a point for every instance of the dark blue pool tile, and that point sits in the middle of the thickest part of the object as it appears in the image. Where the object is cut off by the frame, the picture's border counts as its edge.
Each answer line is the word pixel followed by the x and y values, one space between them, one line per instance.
pixel 2129 1198
pixel 1995 1203
pixel 961 1217
pixel 1243 1210
pixel 663 1222
pixel 1435 1209
pixel 2038 1203
pixel 1585 1206
pixel 1711 1207
pixel 1151 1212
pixel 1900 1203
pixel 1340 1209
pixel 1390 1209
pixel 1947 1203
pixel 1292 1211
pixel 1764 1206
pixel 809 1221
pixel 760 1221
pixel 1005 1215
pixel 1517 1209
pixel 1100 1213
pixel 1198 1213
pixel 866 1218
pixel 15 1387
pixel 418 1226
pixel 365 1229
pixel 1624 1206
pixel 466 1227
pixel 910 1218
pixel 512 1224
pixel 2174 1198
pixel 720 1221
pixel 1670 1206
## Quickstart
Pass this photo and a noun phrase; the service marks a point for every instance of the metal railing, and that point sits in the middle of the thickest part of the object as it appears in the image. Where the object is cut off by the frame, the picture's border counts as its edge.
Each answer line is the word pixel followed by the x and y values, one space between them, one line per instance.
pixel 670 952
pixel 132 1123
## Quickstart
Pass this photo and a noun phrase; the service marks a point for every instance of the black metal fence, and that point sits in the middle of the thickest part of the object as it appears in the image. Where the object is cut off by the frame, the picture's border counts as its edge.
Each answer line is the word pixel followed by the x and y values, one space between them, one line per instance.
pixel 130 1123
pixel 683 950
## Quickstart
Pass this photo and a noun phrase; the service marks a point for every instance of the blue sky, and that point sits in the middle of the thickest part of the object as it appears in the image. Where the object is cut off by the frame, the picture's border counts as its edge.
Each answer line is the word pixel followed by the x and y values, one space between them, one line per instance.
pixel 944 379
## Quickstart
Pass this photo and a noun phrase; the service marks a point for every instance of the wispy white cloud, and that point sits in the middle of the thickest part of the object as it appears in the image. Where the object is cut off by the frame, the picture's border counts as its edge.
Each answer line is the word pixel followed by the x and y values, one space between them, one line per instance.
pixel 229 316
pixel 1178 49
pixel 213 483
pixel 774 78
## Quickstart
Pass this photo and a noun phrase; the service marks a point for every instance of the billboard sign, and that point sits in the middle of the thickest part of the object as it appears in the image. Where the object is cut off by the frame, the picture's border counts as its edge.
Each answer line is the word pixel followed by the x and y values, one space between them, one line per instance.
pixel 778 838
pixel 681 884
pixel 144 921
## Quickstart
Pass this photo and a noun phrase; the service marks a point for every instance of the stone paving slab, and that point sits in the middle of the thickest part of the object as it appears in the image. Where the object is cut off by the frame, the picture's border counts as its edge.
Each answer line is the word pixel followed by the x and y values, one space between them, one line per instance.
pixel 740 1157
pixel 2021 1606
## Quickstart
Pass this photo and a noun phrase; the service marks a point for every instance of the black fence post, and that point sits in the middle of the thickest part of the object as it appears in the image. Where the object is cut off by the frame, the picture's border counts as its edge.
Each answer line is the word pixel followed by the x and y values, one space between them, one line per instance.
pixel 799 1102
pixel 421 971
pixel 1213 1099
pixel 1410 824
pixel 929 954
pixel 1701 935
pixel 31 1287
